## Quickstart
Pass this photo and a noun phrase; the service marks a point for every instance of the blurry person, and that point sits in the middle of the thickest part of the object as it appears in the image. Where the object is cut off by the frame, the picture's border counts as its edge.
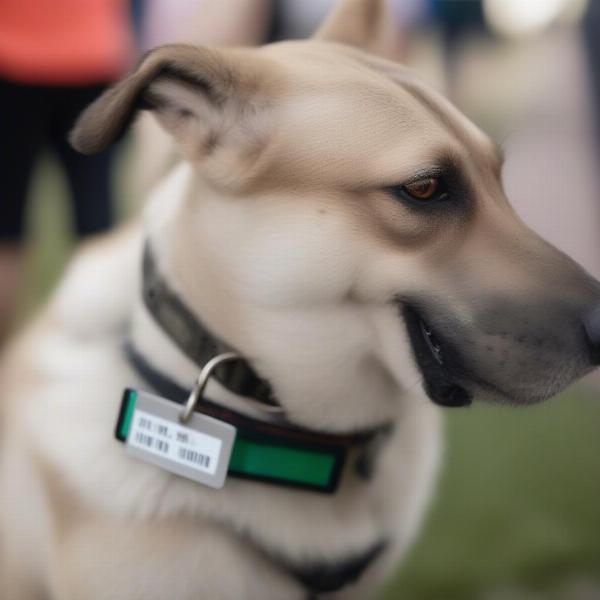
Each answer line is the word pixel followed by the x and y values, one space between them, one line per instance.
pixel 56 56
pixel 298 19
pixel 455 19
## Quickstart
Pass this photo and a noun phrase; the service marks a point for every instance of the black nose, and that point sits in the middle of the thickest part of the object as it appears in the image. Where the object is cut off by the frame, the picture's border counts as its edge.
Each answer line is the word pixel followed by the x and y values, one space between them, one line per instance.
pixel 591 324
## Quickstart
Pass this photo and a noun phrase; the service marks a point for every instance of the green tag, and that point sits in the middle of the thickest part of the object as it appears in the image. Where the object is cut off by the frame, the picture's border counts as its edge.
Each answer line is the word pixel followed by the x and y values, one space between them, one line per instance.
pixel 259 456
pixel 199 450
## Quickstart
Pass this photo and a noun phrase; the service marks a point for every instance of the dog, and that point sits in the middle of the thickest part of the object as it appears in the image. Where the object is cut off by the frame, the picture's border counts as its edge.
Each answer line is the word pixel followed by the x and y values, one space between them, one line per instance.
pixel 337 231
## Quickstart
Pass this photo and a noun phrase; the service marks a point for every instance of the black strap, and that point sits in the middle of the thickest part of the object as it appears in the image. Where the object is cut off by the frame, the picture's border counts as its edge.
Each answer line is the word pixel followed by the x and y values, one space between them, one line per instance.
pixel 161 383
pixel 170 389
pixel 186 330
pixel 332 576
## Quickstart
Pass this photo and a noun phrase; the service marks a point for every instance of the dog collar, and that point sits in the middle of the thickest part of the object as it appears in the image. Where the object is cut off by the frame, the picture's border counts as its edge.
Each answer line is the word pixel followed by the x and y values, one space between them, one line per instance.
pixel 196 342
pixel 272 452
pixel 277 453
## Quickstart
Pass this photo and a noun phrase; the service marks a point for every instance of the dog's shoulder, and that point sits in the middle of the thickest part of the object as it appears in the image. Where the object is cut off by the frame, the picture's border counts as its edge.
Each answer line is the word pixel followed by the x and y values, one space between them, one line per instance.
pixel 100 283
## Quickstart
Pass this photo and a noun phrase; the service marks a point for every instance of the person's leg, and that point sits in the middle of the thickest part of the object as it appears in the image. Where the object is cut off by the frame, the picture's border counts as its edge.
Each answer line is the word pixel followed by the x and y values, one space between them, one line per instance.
pixel 11 268
pixel 21 135
pixel 89 177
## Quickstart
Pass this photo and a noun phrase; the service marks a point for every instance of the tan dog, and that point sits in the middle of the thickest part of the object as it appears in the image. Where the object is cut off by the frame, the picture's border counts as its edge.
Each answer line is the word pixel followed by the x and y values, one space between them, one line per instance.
pixel 344 228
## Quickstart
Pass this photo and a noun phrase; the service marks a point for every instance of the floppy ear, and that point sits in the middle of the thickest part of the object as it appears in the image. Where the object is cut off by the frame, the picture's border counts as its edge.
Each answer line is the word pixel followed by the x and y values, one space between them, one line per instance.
pixel 185 86
pixel 365 24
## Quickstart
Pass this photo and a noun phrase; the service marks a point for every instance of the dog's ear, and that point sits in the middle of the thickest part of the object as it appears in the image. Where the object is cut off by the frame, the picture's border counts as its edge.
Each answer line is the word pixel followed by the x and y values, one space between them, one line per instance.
pixel 186 87
pixel 365 24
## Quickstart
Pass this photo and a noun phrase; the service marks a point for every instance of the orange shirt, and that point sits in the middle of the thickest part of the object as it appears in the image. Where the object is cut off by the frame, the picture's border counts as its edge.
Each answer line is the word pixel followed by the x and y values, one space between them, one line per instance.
pixel 64 42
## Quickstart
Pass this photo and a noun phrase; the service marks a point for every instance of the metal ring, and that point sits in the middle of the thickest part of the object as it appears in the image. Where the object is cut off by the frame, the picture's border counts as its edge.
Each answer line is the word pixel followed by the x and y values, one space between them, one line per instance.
pixel 201 382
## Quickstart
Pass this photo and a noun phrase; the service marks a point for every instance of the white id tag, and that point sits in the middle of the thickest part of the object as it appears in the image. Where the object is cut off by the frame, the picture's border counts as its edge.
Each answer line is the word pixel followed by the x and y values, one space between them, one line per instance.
pixel 199 450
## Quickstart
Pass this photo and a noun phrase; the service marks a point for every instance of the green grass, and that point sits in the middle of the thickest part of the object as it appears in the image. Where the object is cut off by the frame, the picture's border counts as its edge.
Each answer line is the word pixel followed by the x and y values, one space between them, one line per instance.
pixel 518 503
pixel 50 240
pixel 519 497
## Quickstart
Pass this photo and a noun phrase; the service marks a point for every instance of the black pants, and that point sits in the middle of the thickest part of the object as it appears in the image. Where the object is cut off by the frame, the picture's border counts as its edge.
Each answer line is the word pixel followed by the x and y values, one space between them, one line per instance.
pixel 33 117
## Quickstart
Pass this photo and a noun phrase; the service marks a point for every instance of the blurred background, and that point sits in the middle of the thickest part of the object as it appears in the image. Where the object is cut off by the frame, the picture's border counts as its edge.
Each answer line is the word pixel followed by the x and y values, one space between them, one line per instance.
pixel 517 512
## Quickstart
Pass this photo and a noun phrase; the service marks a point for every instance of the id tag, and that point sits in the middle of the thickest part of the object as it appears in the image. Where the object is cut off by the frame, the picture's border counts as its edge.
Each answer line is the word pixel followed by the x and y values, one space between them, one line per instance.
pixel 199 450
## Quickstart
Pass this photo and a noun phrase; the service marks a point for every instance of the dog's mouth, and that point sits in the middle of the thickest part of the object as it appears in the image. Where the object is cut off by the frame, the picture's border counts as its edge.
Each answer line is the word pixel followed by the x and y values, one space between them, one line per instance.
pixel 434 345
pixel 438 362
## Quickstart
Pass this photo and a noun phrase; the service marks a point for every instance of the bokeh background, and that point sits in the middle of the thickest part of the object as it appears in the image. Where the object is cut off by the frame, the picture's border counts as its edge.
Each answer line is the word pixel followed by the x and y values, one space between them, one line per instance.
pixel 517 510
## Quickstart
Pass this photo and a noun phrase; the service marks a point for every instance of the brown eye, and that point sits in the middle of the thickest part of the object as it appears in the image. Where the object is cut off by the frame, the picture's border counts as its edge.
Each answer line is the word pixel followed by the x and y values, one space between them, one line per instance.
pixel 427 191
pixel 423 189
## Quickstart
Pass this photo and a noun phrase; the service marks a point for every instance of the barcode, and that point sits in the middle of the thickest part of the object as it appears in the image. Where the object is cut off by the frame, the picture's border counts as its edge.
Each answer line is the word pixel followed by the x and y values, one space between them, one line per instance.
pixel 145 423
pixel 150 441
pixel 195 457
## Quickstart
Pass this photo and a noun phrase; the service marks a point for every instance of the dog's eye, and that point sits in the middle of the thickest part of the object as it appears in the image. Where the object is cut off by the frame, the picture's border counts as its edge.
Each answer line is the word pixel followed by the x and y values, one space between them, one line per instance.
pixel 424 189
pixel 421 191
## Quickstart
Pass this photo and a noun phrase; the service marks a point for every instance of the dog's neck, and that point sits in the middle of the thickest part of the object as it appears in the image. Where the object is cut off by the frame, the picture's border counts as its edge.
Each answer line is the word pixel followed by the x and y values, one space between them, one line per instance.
pixel 163 353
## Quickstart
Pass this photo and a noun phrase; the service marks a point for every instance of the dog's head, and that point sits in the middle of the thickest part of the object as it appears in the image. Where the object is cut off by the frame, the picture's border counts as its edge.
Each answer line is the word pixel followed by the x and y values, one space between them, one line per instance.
pixel 340 222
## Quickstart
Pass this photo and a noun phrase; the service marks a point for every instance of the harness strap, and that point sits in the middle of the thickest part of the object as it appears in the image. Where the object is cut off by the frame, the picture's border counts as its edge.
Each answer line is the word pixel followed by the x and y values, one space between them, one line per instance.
pixel 327 577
